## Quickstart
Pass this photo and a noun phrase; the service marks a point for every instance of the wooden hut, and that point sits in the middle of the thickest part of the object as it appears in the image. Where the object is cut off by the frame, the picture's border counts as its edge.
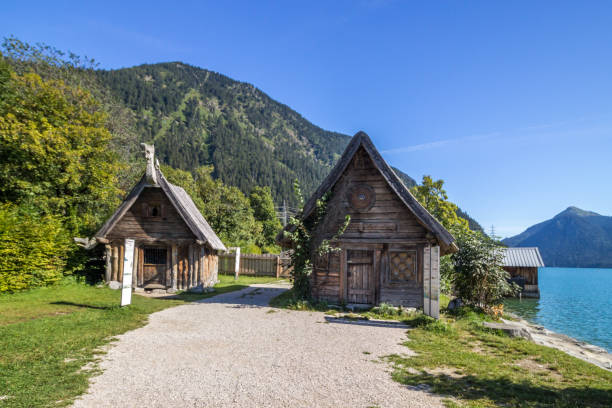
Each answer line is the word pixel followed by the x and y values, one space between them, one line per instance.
pixel 391 249
pixel 522 264
pixel 175 248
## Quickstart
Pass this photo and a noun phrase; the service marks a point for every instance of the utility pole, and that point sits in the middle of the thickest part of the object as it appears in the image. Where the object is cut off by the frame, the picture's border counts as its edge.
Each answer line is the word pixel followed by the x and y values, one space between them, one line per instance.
pixel 492 233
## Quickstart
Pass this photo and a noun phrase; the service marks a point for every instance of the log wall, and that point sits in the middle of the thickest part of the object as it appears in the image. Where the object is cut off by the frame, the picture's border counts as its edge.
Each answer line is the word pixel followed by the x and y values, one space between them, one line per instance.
pixel 385 226
pixel 187 264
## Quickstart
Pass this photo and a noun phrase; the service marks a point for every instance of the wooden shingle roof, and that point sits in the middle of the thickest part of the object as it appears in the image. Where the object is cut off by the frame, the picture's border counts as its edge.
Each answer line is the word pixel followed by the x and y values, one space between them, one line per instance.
pixel 181 201
pixel 361 139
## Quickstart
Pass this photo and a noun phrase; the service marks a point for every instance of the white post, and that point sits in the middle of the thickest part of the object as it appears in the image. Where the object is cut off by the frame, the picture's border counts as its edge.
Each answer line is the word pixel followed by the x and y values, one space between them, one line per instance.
pixel 128 266
pixel 435 282
pixel 237 263
pixel 426 280
pixel 431 281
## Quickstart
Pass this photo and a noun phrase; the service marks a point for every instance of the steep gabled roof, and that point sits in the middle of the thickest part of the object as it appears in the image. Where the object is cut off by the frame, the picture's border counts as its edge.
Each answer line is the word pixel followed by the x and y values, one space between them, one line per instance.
pixel 181 201
pixel 523 257
pixel 361 139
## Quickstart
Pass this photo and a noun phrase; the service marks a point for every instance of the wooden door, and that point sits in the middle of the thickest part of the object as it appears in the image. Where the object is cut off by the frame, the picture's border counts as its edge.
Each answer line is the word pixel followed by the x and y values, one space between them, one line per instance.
pixel 360 276
pixel 154 266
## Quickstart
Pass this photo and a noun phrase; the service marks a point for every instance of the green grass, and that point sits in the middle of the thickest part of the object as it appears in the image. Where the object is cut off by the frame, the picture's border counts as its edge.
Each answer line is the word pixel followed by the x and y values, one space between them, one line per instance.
pixel 477 367
pixel 47 335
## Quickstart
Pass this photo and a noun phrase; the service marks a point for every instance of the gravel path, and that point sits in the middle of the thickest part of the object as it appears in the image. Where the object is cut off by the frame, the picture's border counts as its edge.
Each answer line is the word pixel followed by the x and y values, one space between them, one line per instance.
pixel 234 351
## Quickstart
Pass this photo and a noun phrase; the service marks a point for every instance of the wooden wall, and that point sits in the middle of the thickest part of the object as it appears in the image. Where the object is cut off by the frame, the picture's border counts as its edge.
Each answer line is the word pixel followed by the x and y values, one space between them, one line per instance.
pixel 136 224
pixel 384 227
pixel 530 274
pixel 187 264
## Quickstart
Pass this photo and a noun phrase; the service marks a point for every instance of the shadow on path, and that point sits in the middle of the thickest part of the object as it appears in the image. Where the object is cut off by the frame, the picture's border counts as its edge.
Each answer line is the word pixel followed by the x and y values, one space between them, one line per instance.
pixel 360 322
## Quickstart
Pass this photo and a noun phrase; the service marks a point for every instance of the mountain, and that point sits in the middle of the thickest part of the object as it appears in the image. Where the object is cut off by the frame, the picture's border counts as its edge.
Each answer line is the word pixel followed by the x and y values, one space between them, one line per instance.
pixel 199 117
pixel 573 238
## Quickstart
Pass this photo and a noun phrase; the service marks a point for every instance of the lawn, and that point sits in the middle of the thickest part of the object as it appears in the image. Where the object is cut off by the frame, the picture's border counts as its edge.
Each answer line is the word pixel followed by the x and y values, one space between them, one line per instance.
pixel 476 367
pixel 48 335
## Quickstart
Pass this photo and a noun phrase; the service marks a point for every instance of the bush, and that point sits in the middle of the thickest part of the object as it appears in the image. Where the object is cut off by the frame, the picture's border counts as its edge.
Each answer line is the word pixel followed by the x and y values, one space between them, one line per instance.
pixel 33 249
pixel 478 276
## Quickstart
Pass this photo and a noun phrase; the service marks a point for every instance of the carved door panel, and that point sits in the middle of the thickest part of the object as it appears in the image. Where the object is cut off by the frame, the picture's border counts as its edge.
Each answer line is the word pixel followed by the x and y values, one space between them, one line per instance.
pixel 359 271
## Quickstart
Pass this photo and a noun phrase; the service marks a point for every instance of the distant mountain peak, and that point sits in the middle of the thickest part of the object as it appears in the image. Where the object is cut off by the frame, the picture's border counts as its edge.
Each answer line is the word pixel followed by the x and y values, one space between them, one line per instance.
pixel 573 238
pixel 575 211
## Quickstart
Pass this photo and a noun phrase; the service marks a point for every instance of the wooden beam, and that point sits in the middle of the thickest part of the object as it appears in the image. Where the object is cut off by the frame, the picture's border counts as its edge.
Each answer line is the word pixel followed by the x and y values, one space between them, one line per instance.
pixel 190 266
pixel 121 256
pixel 174 267
pixel 343 285
pixel 141 267
pixel 115 271
pixel 377 276
pixel 168 281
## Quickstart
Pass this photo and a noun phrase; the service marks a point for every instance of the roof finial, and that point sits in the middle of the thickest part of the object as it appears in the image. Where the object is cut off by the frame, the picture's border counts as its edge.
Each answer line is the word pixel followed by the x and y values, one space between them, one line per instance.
pixel 149 151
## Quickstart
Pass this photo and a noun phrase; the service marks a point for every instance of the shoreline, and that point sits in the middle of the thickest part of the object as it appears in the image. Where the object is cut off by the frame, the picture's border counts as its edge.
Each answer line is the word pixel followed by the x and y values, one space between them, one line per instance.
pixel 576 348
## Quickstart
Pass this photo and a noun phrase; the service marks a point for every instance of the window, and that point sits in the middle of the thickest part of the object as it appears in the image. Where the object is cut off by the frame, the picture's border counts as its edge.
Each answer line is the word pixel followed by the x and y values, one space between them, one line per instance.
pixel 154 210
pixel 402 266
pixel 155 255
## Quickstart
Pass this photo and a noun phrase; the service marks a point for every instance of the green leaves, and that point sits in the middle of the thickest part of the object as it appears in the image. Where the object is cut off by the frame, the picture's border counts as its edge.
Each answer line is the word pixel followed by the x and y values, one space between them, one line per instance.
pixel 54 146
pixel 478 277
pixel 433 197
pixel 33 249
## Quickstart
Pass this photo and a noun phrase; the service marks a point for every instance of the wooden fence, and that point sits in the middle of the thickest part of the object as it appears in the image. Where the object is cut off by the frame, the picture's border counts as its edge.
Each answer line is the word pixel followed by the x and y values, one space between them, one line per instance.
pixel 255 265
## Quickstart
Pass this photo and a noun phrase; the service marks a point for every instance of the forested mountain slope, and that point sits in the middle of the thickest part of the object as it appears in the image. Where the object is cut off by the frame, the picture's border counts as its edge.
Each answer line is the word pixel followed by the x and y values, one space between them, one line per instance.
pixel 197 117
pixel 573 238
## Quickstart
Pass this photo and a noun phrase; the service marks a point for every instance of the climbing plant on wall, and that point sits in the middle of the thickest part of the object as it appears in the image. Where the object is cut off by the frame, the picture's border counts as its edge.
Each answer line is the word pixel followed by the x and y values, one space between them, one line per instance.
pixel 304 244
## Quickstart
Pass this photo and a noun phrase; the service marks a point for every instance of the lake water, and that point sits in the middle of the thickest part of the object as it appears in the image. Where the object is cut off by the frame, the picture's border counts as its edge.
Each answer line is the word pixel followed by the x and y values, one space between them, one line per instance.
pixel 574 301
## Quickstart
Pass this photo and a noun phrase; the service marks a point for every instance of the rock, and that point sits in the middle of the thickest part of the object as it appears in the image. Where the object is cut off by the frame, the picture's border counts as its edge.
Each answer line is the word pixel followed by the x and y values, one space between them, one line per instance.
pixel 454 304
pixel 171 290
pixel 197 289
pixel 511 330
pixel 114 285
pixel 159 291
pixel 139 290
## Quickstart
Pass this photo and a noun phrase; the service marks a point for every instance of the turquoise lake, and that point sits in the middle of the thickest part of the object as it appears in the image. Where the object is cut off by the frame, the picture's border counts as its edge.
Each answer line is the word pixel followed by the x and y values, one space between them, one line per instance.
pixel 574 301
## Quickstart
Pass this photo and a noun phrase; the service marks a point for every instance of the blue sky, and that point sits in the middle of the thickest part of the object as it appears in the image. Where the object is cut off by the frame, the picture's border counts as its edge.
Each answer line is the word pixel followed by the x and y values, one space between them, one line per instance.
pixel 509 102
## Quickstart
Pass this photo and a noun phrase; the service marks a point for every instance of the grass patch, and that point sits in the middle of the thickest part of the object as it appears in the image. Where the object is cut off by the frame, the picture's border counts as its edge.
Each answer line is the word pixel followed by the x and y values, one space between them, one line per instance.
pixel 48 334
pixel 479 367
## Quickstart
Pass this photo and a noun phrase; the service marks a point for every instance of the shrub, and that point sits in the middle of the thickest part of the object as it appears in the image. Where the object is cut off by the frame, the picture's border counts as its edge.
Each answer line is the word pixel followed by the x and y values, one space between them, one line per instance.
pixel 478 276
pixel 33 249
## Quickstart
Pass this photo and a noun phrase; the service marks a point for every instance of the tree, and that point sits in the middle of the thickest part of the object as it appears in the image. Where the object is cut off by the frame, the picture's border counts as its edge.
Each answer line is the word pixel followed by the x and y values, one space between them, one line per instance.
pixel 263 209
pixel 226 209
pixel 478 276
pixel 433 197
pixel 55 151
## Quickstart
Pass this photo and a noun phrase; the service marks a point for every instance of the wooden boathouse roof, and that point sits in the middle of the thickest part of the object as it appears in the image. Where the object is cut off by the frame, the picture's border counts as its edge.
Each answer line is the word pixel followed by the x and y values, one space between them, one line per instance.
pixel 526 257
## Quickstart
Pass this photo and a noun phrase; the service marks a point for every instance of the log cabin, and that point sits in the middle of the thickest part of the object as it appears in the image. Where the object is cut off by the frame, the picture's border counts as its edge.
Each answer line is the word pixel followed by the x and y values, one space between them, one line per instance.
pixel 175 248
pixel 390 251
pixel 522 264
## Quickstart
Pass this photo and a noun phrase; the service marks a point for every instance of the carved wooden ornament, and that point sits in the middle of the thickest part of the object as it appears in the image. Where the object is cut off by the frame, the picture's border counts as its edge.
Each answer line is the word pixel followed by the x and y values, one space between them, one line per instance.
pixel 361 197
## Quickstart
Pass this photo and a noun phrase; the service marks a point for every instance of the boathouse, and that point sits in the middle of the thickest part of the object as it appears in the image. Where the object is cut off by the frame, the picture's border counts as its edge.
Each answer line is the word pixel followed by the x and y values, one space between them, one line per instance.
pixel 390 251
pixel 175 248
pixel 522 264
